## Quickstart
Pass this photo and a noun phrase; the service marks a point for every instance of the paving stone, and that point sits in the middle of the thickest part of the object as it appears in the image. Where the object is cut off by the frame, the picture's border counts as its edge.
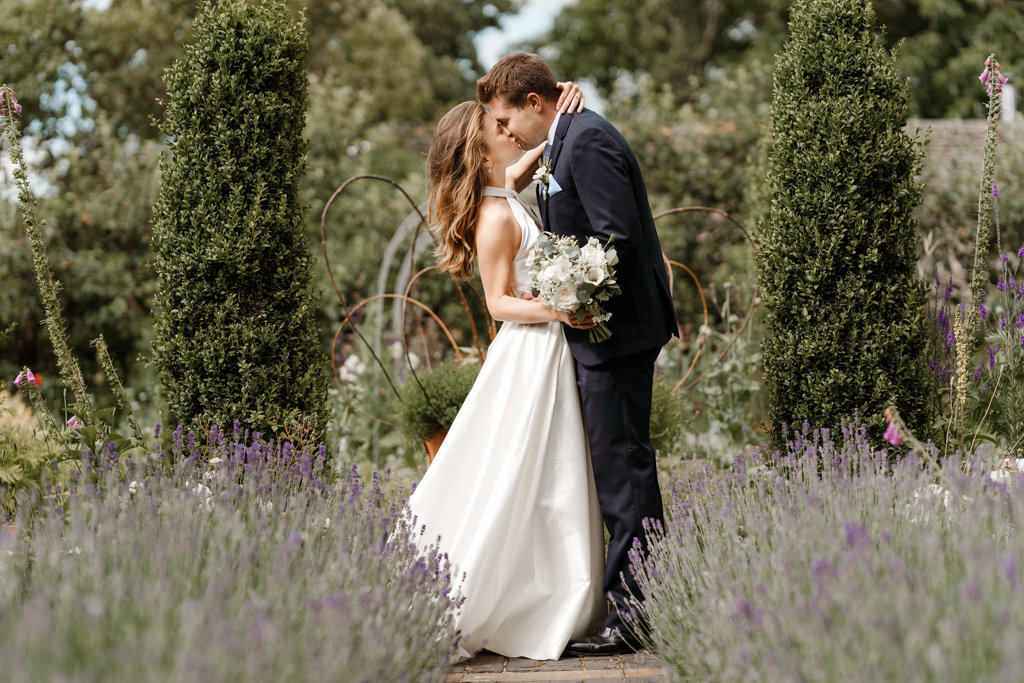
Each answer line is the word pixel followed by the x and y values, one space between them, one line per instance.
pixel 543 676
pixel 523 664
pixel 485 662
pixel 647 675
pixel 564 664
pixel 643 659
pixel 602 663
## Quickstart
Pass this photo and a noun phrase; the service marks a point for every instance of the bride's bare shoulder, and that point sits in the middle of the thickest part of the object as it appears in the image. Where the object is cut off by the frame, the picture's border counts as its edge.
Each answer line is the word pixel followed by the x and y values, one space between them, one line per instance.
pixel 496 223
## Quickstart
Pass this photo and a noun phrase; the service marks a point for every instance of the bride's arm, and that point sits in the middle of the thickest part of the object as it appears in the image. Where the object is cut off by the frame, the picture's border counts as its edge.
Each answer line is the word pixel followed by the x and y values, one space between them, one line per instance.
pixel 519 174
pixel 497 241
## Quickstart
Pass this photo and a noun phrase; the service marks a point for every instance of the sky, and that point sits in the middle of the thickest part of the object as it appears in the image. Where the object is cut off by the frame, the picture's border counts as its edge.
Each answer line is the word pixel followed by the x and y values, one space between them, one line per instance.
pixel 535 18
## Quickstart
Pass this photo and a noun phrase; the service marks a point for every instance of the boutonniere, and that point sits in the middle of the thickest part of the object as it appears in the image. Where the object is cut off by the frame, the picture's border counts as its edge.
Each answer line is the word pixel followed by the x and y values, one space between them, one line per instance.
pixel 543 173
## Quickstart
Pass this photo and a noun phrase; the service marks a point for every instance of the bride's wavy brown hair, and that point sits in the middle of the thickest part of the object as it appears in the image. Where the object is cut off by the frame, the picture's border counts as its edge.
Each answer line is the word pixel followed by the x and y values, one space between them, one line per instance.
pixel 456 173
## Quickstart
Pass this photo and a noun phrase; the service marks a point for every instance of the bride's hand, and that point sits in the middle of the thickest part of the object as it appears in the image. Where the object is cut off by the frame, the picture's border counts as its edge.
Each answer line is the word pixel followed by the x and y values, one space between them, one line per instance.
pixel 519 174
pixel 571 320
pixel 571 99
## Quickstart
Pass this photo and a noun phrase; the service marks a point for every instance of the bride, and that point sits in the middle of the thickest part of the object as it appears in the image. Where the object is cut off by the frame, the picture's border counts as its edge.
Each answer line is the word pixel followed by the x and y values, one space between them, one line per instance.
pixel 510 495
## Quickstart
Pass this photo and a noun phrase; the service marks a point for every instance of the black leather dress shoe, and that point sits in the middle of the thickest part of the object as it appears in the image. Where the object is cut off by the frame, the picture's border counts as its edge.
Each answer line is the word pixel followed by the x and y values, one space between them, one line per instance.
pixel 606 641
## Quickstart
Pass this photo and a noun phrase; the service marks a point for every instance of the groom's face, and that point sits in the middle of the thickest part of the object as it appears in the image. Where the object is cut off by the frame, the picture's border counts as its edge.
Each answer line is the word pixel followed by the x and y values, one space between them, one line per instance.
pixel 527 124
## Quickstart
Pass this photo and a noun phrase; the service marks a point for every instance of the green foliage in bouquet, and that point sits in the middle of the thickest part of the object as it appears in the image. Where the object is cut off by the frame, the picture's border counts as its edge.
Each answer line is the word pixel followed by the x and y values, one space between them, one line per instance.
pixel 838 249
pixel 430 406
pixel 236 332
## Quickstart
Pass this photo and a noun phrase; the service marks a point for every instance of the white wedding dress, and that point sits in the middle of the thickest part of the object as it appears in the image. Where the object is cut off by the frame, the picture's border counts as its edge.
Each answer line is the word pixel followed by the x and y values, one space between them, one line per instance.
pixel 510 494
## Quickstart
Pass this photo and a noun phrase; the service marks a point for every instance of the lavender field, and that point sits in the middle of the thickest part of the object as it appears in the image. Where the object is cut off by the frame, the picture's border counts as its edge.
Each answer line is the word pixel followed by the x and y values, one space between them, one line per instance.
pixel 238 561
pixel 828 562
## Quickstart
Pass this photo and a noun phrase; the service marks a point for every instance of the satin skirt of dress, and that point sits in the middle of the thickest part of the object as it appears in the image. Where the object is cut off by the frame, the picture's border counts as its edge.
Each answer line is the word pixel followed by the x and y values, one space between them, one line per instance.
pixel 510 498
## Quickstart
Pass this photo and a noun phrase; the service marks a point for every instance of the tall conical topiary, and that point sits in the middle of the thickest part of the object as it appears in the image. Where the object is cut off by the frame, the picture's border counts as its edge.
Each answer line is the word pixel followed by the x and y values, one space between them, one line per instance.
pixel 837 252
pixel 236 331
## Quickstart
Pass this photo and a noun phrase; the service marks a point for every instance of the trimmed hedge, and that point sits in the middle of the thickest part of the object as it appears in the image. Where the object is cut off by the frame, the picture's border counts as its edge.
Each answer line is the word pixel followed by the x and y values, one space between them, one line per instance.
pixel 236 331
pixel 838 249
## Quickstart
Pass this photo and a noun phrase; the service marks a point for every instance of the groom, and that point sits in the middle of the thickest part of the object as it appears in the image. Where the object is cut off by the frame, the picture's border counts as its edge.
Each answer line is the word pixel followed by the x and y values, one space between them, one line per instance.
pixel 595 189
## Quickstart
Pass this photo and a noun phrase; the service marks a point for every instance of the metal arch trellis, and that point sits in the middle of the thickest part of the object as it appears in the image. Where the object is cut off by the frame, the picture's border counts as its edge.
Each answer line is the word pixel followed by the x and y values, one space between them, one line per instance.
pixel 405 299
pixel 703 330
pixel 415 223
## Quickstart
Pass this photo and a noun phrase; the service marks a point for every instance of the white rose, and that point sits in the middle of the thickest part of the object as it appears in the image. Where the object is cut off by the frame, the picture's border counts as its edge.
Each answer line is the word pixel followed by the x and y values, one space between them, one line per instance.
pixel 556 272
pixel 566 300
pixel 591 255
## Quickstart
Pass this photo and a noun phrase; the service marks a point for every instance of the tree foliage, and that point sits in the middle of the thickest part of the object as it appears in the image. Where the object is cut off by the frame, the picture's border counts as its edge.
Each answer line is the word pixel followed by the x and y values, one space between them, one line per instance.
pixel 685 43
pixel 838 251
pixel 236 331
pixel 90 77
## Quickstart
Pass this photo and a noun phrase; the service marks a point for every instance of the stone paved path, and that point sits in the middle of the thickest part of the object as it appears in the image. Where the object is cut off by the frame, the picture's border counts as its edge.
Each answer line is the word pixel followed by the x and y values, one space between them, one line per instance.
pixel 491 668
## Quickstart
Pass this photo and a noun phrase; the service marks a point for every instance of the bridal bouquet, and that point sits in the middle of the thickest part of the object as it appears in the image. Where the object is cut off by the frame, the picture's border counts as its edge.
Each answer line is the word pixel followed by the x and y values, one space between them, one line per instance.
pixel 575 279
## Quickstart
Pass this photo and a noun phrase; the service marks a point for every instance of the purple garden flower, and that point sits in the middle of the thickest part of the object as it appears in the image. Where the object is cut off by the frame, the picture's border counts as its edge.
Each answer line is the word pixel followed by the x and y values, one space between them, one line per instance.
pixel 1002 322
pixel 977 371
pixel 995 190
pixel 982 311
pixel 28 376
pixel 13 100
pixel 990 84
pixel 892 435
pixel 1020 252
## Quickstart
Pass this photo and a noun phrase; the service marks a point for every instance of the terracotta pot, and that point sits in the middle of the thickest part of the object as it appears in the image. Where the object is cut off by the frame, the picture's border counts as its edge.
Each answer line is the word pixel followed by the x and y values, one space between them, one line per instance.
pixel 435 443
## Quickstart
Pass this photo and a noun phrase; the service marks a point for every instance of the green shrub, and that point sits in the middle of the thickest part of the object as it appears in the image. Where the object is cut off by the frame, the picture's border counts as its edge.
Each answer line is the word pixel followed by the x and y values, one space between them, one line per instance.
pixel 24 454
pixel 430 406
pixel 667 417
pixel 838 250
pixel 236 334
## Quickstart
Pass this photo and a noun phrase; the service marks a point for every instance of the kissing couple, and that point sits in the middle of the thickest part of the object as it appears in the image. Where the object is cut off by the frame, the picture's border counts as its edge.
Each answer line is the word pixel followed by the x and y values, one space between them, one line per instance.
pixel 552 444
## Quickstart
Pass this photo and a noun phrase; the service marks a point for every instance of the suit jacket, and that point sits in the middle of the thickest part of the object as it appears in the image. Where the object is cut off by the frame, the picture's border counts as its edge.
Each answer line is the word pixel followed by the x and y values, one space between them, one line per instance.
pixel 603 194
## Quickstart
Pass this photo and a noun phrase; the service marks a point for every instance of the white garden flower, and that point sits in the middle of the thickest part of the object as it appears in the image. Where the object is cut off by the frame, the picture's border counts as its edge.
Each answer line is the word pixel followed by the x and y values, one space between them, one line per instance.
pixel 594 275
pixel 351 369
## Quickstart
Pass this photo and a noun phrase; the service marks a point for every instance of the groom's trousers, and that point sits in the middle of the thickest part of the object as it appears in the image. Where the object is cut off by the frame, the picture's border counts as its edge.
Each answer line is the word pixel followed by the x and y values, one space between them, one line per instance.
pixel 616 401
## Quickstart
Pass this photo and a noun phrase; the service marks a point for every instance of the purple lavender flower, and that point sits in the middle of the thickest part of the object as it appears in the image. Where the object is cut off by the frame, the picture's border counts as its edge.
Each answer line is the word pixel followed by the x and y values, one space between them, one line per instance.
pixel 1020 252
pixel 856 534
pixel 995 190
pixel 949 286
pixel 982 311
pixel 1020 320
pixel 1008 566
pixel 977 371
pixel 1002 286
pixel 1002 322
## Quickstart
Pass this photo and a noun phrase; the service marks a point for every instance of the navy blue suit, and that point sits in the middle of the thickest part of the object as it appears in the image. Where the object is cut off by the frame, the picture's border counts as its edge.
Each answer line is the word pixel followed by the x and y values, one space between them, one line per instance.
pixel 603 194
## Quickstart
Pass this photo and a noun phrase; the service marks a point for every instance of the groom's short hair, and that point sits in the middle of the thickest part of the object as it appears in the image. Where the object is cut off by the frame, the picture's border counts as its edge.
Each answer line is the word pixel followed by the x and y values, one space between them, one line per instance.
pixel 514 77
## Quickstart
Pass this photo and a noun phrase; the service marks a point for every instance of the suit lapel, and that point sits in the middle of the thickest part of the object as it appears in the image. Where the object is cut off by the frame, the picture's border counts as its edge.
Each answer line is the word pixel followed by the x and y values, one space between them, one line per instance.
pixel 560 131
pixel 556 148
